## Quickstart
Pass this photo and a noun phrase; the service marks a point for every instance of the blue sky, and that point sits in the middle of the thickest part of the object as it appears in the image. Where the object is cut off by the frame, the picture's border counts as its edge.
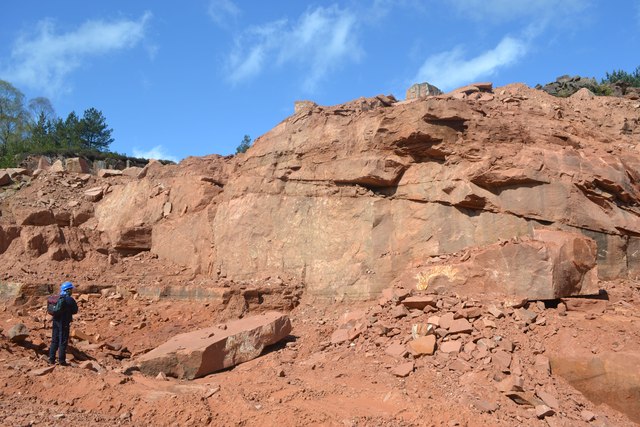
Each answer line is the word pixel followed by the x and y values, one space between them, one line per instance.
pixel 177 79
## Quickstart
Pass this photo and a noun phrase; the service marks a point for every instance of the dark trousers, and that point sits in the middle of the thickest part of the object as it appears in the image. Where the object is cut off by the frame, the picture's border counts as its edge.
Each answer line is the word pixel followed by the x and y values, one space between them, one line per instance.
pixel 59 340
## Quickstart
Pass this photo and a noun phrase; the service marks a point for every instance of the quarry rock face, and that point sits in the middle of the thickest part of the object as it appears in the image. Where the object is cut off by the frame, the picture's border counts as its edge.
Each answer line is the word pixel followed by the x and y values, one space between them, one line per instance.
pixel 202 352
pixel 350 198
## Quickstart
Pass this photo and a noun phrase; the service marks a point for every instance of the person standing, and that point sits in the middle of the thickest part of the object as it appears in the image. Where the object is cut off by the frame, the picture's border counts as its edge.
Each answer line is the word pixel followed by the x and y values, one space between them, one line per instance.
pixel 61 325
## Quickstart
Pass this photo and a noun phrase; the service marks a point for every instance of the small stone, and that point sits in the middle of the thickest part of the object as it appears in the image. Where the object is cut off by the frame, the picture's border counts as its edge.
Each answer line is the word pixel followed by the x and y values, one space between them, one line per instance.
pixel 396 350
pixel 446 320
pixel 460 366
pixel 90 365
pixel 486 344
pixel 42 371
pixel 434 320
pixel 425 345
pixel 161 376
pixel 470 347
pixel 460 326
pixel 525 315
pixel 541 364
pixel 495 312
pixel 419 302
pixel 94 194
pixel 511 383
pixel 339 336
pixel 515 302
pixel 587 416
pixel 441 332
pixel 485 406
pixel 403 370
pixel 543 411
pixel 549 399
pixel 562 309
pixel 399 311
pixel 524 398
pixel 450 346
pixel 211 392
pixel 470 313
pixel 488 323
pixel 506 345
pixel 502 360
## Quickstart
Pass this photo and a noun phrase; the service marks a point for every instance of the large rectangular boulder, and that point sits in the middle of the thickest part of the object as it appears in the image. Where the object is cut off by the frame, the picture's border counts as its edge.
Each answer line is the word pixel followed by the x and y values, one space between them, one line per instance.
pixel 5 179
pixel 551 264
pixel 205 351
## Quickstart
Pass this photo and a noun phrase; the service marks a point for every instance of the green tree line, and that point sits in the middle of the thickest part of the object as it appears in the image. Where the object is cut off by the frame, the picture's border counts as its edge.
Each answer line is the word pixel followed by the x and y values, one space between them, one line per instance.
pixel 632 79
pixel 33 127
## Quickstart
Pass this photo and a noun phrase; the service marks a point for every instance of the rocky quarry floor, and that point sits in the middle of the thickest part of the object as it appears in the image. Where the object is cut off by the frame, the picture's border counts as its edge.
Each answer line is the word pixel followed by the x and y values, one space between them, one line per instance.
pixel 468 259
pixel 410 359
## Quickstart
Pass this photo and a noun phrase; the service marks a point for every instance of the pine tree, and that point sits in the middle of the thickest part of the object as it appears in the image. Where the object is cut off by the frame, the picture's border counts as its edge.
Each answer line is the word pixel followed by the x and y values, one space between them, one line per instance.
pixel 244 145
pixel 94 132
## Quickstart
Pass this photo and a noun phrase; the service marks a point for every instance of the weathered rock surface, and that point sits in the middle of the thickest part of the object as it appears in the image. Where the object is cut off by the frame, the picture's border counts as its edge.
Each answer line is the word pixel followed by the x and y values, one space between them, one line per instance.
pixel 199 353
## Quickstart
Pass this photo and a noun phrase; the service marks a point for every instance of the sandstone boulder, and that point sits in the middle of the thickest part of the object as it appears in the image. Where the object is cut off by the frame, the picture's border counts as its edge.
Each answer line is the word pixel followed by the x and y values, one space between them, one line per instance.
pixel 199 353
pixel 550 265
pixel 105 173
pixel 94 194
pixel 7 235
pixel 132 171
pixel 43 163
pixel 57 166
pixel 303 106
pixel 5 179
pixel 77 165
pixel 18 333
pixel 25 215
pixel 421 90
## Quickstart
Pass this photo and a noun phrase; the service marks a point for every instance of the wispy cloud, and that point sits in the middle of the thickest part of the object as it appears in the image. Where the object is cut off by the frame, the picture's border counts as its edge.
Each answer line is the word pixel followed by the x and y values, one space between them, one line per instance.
pixel 158 152
pixel 44 58
pixel 450 69
pixel 223 12
pixel 507 10
pixel 321 41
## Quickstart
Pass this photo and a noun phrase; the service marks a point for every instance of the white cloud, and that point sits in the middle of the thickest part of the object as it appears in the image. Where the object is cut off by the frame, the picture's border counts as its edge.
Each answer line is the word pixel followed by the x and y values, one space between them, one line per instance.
pixel 448 70
pixel 158 152
pixel 507 10
pixel 43 60
pixel 223 12
pixel 319 42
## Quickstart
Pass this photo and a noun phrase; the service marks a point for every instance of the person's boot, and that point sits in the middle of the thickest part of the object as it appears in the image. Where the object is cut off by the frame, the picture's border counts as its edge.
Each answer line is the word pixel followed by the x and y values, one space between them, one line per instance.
pixel 52 361
pixel 63 363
